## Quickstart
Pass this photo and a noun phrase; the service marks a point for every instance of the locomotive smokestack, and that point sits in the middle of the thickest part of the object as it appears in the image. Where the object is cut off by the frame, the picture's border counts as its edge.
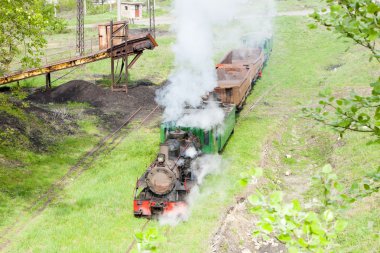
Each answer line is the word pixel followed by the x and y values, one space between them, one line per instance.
pixel 164 149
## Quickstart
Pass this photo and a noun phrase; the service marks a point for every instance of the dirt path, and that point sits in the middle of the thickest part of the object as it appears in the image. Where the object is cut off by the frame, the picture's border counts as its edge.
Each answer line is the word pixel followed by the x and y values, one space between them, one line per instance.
pixel 235 232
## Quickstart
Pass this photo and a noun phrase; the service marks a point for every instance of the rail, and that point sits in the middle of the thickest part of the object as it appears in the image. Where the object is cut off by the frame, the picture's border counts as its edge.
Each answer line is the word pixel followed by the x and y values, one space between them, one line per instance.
pixel 104 147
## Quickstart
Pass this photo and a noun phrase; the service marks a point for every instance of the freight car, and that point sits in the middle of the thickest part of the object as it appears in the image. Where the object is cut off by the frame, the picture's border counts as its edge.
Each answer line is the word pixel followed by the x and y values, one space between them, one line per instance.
pixel 238 71
pixel 166 183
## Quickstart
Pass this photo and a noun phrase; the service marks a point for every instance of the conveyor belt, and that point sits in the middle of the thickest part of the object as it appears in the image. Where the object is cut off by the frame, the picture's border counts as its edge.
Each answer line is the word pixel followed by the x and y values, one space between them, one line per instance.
pixel 135 46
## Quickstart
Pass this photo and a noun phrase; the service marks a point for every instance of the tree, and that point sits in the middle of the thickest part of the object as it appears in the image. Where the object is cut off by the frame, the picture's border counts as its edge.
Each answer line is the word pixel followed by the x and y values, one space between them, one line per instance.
pixel 23 24
pixel 358 20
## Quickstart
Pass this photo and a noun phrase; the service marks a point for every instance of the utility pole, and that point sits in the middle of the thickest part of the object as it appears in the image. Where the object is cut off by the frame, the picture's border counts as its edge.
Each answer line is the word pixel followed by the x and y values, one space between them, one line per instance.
pixel 152 17
pixel 55 8
pixel 80 28
pixel 118 10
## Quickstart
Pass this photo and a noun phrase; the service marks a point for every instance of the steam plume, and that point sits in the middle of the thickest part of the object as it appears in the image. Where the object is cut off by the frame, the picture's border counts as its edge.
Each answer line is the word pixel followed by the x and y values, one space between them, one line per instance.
pixel 202 27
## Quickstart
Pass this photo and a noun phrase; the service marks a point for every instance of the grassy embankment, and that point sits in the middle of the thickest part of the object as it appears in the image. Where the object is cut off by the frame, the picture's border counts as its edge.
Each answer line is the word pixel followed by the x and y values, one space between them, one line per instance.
pixel 94 213
pixel 25 174
pixel 300 66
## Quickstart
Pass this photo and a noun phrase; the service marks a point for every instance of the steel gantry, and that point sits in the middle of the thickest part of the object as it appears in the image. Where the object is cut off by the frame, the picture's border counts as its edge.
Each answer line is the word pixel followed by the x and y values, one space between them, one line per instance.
pixel 152 17
pixel 80 28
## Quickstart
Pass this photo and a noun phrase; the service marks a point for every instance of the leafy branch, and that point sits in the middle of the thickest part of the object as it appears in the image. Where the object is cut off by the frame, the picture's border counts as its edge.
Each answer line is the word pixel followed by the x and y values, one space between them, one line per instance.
pixel 355 19
pixel 312 229
pixel 358 20
pixel 355 113
pixel 149 240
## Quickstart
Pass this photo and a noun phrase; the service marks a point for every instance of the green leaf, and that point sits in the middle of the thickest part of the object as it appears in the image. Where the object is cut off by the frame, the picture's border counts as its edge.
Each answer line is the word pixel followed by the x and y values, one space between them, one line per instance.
pixel 363 118
pixel 244 182
pixel 312 26
pixel 316 228
pixel 327 169
pixel 345 123
pixel 139 236
pixel 339 187
pixel 276 197
pixel 372 36
pixel 373 8
pixel 377 114
pixel 256 233
pixel 354 187
pixel 296 205
pixel 328 215
pixel 335 8
pixel 267 227
pixel 285 238
pixel 340 225
pixel 302 242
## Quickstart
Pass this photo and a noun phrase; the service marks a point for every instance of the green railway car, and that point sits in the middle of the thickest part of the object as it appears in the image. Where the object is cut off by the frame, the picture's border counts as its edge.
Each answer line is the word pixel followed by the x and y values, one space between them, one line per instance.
pixel 212 141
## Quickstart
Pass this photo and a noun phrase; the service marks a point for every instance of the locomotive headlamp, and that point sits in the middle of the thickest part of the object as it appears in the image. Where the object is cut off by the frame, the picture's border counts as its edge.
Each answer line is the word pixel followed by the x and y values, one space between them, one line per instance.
pixel 161 158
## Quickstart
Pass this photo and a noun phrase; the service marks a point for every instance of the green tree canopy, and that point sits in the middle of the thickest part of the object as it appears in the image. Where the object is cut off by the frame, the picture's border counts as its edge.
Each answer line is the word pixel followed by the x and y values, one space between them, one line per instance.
pixel 22 25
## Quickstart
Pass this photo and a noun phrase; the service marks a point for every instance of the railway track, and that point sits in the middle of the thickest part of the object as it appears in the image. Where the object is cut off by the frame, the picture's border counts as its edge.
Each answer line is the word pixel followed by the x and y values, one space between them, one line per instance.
pixel 257 102
pixel 134 242
pixel 142 229
pixel 104 147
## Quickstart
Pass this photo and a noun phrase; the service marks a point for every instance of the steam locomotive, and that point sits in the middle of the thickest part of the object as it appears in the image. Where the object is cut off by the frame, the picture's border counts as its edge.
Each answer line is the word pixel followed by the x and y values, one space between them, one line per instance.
pixel 165 185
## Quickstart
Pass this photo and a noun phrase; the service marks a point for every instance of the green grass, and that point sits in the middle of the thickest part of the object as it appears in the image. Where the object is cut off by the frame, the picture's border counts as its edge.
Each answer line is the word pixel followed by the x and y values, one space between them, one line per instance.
pixel 26 173
pixel 22 184
pixel 296 5
pixel 91 213
pixel 95 18
pixel 94 213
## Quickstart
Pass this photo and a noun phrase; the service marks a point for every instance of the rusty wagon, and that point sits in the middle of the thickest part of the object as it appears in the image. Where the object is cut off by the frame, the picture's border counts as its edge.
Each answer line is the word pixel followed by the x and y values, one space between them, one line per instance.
pixel 236 73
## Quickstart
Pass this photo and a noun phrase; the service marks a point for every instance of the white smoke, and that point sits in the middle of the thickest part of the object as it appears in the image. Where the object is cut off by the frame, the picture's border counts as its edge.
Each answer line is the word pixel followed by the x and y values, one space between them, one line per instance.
pixel 206 165
pixel 202 166
pixel 210 116
pixel 191 152
pixel 202 27
pixel 253 24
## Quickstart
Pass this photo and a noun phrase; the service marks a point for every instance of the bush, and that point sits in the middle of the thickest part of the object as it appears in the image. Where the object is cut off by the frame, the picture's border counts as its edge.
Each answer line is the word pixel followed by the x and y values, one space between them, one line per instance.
pixel 97 9
pixel 59 25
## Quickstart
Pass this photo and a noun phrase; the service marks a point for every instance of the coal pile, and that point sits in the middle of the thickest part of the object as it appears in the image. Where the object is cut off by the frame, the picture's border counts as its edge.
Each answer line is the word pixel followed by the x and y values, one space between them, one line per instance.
pixel 112 107
pixel 86 92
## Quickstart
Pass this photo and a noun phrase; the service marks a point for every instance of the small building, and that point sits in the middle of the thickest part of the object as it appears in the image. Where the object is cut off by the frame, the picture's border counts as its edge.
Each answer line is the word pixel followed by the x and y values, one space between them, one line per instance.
pixel 131 10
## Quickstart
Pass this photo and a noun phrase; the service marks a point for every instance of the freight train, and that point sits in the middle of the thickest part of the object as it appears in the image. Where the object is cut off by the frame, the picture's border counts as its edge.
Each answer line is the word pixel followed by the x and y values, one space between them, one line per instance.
pixel 165 185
